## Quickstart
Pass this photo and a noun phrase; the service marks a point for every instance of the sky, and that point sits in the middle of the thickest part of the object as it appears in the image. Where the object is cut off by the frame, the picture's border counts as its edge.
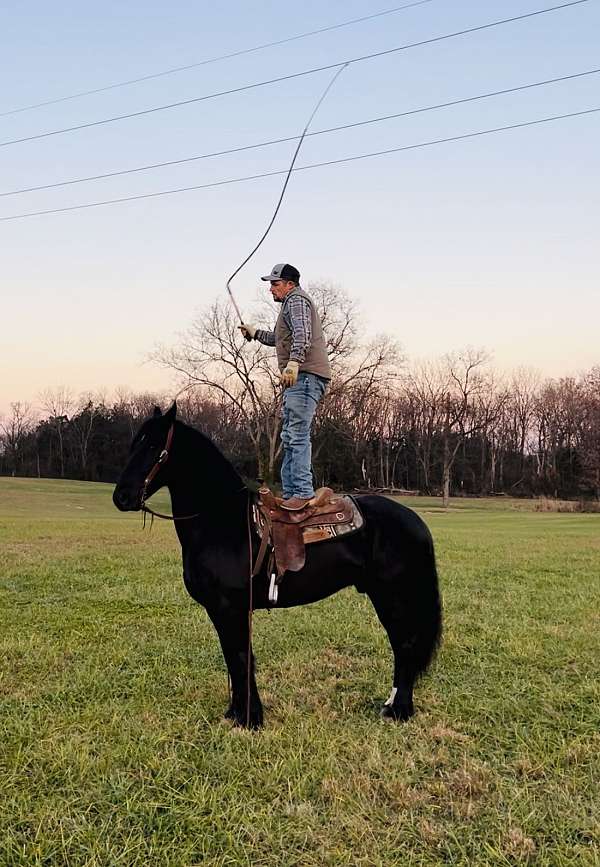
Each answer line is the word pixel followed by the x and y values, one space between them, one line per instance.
pixel 488 242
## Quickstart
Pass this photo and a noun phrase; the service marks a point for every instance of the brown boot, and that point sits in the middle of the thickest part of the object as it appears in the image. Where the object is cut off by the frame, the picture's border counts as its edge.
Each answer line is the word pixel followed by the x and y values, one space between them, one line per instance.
pixel 294 504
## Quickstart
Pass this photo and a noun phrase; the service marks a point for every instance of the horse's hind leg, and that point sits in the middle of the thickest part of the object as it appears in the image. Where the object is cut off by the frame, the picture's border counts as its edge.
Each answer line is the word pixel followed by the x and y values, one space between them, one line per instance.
pixel 410 611
pixel 399 705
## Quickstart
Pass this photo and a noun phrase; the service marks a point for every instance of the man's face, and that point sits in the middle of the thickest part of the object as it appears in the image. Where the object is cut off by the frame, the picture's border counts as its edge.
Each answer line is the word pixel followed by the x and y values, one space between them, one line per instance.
pixel 281 288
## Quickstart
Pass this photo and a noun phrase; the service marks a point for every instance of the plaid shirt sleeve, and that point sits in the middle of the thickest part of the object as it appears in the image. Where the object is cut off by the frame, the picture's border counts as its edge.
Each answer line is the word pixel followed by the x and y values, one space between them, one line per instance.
pixel 266 337
pixel 299 320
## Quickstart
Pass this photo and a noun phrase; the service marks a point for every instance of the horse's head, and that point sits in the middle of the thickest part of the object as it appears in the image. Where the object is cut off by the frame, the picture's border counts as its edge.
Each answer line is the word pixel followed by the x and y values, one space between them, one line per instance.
pixel 145 471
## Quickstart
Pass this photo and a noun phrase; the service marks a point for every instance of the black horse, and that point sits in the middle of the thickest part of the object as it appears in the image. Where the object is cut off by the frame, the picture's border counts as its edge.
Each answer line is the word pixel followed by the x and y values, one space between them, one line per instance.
pixel 390 558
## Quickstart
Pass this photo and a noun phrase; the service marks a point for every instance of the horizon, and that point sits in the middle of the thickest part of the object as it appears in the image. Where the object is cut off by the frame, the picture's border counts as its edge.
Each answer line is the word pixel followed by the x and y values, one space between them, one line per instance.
pixel 169 390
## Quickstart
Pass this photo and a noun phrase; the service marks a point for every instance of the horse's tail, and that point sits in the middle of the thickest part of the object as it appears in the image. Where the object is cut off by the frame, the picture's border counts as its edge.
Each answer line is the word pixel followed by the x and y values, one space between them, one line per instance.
pixel 406 593
pixel 426 610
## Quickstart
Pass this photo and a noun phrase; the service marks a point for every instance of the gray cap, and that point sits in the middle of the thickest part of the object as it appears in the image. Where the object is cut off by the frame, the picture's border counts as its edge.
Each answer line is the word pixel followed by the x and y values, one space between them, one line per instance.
pixel 282 271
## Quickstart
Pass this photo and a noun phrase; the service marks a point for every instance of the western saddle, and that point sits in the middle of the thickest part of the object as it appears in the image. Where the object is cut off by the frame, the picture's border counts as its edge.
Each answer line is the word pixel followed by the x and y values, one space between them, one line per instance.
pixel 285 533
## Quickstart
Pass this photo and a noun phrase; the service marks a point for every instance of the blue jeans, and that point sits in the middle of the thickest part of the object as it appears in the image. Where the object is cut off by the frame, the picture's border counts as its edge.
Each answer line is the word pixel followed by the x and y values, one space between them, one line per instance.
pixel 299 405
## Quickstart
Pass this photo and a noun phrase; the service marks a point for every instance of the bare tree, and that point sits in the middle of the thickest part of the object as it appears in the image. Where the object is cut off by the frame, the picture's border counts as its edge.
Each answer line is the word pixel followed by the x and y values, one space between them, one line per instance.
pixel 212 355
pixel 524 390
pixel 489 409
pixel 444 395
pixel 426 390
pixel 58 404
pixel 14 430
pixel 464 385
pixel 590 431
pixel 82 425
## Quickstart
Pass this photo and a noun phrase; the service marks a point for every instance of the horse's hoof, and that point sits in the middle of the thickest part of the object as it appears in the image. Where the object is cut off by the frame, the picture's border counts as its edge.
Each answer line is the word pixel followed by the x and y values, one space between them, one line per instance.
pixel 253 726
pixel 396 712
pixel 241 719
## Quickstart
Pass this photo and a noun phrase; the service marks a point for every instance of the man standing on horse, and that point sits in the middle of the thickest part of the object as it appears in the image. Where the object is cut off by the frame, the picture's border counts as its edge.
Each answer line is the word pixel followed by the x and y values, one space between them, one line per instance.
pixel 305 372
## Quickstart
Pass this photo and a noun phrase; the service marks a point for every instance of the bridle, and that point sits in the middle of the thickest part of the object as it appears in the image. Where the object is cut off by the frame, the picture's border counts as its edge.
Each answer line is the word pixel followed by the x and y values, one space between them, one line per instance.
pixel 162 459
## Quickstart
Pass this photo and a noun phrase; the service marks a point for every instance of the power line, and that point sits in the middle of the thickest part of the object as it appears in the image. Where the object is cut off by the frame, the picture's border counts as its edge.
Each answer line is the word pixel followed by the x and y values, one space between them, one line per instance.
pixel 355 158
pixel 263 144
pixel 232 54
pixel 294 75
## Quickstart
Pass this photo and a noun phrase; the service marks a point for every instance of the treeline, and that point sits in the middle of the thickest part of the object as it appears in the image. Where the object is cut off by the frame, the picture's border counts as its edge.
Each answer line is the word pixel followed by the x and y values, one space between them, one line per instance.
pixel 453 426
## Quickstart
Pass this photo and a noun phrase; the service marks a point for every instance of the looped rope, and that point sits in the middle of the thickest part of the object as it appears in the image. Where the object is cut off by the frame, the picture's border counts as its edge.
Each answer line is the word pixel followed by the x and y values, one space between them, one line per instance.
pixel 338 72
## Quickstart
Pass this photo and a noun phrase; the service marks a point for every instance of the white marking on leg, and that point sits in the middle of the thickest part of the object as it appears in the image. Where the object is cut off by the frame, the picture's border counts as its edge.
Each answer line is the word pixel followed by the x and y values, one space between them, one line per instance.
pixel 391 697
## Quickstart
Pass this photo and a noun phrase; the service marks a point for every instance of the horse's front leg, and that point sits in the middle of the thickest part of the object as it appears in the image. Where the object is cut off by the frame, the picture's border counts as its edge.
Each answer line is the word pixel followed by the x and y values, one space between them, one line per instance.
pixel 233 631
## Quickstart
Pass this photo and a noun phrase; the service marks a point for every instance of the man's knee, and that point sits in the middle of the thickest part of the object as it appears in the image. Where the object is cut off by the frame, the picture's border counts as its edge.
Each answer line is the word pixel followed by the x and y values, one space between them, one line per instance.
pixel 297 431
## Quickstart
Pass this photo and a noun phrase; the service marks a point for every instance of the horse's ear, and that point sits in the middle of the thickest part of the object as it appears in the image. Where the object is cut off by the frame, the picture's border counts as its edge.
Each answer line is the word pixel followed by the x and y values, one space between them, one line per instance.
pixel 157 412
pixel 171 412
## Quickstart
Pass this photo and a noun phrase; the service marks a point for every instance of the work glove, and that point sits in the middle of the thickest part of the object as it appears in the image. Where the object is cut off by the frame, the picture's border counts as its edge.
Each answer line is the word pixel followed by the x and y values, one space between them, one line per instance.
pixel 248 330
pixel 289 375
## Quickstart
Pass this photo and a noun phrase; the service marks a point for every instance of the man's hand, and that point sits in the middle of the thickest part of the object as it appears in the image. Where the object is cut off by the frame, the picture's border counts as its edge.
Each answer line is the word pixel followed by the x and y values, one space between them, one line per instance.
pixel 248 330
pixel 289 375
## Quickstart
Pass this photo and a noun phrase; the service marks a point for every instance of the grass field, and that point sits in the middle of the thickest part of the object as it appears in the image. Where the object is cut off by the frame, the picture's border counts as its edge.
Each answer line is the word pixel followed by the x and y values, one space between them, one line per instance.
pixel 112 689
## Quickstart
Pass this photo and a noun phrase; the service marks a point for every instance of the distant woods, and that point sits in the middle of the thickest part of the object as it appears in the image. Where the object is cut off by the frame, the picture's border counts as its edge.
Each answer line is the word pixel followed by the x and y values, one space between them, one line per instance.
pixel 453 425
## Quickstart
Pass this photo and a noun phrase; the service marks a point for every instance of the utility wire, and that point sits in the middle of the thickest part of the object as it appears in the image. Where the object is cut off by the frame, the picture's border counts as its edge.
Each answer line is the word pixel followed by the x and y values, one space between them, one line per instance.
pixel 349 159
pixel 294 75
pixel 232 54
pixel 276 141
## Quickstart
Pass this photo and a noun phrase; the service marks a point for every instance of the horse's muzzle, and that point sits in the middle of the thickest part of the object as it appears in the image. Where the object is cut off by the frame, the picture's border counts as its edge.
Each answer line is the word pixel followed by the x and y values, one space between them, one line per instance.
pixel 126 501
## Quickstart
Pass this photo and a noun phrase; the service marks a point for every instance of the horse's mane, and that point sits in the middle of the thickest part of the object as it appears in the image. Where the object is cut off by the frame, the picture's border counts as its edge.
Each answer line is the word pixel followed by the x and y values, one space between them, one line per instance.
pixel 218 467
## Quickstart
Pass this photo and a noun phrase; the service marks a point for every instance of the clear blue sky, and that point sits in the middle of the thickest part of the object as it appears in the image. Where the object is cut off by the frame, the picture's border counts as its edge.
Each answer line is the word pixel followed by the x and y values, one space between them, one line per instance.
pixel 490 242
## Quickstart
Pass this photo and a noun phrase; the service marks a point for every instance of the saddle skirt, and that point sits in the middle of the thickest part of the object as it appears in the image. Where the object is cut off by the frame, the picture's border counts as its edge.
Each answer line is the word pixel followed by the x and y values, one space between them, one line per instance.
pixel 286 533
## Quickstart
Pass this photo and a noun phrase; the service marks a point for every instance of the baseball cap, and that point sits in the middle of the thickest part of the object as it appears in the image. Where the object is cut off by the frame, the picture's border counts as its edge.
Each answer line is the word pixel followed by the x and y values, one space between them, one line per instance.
pixel 283 272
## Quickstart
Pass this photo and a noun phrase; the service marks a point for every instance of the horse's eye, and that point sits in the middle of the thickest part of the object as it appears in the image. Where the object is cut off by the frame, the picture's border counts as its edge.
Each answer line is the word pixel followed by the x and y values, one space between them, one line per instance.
pixel 137 442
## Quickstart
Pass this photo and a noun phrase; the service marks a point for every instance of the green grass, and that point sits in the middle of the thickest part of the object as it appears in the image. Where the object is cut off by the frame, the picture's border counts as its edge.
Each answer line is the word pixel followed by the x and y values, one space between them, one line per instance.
pixel 112 689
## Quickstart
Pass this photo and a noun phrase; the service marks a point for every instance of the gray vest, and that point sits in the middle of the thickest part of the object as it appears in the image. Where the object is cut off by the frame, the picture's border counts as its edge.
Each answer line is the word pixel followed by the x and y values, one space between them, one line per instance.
pixel 316 360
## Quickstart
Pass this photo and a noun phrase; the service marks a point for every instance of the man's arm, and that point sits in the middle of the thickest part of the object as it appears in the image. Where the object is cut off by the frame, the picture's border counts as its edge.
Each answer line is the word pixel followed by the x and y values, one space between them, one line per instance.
pixel 266 337
pixel 299 320
pixel 251 332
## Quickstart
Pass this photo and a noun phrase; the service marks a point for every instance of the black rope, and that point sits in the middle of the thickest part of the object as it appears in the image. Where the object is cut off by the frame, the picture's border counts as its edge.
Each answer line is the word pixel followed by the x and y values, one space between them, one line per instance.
pixel 284 188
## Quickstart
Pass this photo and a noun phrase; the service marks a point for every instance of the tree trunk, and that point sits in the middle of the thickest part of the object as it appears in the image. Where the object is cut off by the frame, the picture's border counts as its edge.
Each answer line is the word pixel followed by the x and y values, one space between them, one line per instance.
pixel 446 487
pixel 492 482
pixel 446 474
pixel 483 486
pixel 61 453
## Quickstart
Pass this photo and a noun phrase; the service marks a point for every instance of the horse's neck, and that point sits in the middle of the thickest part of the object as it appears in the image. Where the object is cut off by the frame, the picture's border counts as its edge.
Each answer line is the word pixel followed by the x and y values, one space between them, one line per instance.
pixel 202 479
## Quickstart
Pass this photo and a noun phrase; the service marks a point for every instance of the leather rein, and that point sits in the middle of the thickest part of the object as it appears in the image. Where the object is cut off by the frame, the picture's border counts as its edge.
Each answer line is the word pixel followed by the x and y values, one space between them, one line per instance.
pixel 162 459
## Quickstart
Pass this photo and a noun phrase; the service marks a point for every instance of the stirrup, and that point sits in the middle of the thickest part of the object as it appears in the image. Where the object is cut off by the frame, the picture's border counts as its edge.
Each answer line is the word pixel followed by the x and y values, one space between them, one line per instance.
pixel 273 589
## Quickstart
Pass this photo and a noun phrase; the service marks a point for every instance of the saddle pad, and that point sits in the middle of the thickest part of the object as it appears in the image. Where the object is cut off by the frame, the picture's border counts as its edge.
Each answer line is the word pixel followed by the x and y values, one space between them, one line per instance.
pixel 322 531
